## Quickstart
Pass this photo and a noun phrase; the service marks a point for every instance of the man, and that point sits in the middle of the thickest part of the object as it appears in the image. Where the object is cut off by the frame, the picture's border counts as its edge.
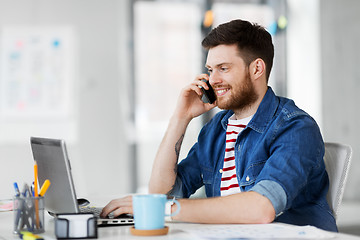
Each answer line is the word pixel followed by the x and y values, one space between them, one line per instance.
pixel 261 159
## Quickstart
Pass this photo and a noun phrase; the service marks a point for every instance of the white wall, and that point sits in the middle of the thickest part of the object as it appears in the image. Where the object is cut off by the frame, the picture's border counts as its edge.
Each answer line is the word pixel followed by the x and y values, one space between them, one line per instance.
pixel 340 38
pixel 99 155
pixel 303 55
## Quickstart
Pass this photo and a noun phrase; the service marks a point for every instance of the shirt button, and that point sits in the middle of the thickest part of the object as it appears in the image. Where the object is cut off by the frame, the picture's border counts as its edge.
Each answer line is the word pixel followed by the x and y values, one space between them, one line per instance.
pixel 220 171
pixel 247 178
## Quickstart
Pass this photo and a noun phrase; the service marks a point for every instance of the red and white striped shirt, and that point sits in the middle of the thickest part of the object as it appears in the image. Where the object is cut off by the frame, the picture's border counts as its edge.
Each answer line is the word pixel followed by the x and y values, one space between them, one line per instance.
pixel 229 182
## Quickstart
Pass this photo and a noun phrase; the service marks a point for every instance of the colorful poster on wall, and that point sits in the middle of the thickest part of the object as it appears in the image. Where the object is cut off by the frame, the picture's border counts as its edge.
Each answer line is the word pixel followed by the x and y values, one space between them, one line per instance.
pixel 36 68
pixel 37 83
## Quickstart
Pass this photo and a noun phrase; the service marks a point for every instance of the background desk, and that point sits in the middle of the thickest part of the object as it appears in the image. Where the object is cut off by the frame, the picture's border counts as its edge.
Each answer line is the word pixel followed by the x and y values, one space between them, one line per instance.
pixel 122 232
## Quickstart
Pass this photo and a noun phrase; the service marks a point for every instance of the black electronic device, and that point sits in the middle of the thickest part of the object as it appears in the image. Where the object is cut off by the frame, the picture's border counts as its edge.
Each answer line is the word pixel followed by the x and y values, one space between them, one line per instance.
pixel 208 95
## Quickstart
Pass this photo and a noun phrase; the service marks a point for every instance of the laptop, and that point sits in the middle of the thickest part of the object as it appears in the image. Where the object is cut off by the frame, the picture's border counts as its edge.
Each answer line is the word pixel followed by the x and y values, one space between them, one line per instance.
pixel 54 164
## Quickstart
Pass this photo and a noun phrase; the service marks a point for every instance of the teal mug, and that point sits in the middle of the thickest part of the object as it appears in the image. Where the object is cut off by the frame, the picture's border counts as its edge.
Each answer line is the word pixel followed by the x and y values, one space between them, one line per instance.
pixel 149 211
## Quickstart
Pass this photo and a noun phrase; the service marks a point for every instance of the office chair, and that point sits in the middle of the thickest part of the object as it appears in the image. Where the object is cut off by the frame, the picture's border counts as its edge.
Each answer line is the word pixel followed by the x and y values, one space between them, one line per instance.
pixel 337 162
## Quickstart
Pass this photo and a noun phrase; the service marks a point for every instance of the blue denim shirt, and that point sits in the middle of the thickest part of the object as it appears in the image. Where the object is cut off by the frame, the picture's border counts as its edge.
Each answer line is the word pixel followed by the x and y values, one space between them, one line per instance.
pixel 279 155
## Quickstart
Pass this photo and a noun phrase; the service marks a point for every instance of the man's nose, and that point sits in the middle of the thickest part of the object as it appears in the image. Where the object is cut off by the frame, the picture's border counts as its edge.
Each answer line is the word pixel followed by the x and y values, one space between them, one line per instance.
pixel 214 79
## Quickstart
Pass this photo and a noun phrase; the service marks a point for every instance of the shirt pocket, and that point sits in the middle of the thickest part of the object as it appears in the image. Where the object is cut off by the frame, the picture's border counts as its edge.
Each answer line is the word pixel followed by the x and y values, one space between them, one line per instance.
pixel 251 173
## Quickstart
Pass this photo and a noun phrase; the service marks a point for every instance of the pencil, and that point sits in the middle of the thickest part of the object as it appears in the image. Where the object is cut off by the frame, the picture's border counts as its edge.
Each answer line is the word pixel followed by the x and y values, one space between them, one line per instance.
pixel 36 194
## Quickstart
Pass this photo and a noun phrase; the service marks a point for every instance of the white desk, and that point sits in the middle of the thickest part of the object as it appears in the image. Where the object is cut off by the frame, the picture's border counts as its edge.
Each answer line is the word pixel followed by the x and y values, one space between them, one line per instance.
pixel 122 232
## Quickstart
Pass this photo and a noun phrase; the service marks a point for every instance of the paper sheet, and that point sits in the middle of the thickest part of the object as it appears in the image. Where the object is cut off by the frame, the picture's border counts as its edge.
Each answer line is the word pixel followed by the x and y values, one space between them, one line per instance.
pixel 6 205
pixel 267 231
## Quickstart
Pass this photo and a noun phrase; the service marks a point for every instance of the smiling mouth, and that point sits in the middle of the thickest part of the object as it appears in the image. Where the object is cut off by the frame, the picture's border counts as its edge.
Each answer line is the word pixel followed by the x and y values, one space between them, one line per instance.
pixel 222 91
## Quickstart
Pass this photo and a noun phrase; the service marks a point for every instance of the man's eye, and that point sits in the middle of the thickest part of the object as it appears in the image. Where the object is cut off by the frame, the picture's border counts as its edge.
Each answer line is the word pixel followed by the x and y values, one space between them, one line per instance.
pixel 209 70
pixel 223 69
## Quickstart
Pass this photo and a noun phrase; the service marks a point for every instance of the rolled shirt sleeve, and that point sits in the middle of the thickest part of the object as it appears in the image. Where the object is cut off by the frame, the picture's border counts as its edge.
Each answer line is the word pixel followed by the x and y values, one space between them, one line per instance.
pixel 177 190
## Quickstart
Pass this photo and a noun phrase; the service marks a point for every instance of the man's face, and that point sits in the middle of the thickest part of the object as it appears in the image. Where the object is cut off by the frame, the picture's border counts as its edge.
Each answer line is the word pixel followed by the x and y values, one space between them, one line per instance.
pixel 230 78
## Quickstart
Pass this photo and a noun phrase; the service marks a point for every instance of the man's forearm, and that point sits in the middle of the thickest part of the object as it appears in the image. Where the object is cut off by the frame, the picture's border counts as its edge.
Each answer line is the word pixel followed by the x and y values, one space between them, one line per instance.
pixel 164 170
pixel 246 207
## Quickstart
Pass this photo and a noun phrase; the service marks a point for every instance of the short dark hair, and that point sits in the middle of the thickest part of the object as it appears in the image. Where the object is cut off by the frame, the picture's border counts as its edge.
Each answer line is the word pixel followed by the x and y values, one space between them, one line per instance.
pixel 252 40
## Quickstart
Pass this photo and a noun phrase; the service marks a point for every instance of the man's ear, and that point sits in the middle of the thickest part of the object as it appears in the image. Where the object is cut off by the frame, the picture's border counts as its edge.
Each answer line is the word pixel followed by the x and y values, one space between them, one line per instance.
pixel 257 68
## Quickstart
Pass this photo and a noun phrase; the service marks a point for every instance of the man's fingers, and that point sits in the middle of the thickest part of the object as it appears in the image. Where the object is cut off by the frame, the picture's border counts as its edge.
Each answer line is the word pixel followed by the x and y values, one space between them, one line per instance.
pixel 123 210
pixel 118 206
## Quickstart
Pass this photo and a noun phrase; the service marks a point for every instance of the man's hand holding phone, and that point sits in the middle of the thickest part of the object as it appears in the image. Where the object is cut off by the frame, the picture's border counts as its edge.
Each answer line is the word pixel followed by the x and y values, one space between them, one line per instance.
pixel 190 103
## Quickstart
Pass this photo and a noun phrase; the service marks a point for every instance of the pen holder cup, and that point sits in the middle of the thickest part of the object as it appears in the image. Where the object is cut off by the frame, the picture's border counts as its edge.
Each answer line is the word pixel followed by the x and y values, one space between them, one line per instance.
pixel 29 214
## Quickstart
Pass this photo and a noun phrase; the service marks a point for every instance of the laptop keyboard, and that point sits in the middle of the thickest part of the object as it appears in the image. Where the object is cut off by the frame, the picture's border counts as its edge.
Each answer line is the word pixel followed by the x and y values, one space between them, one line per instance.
pixel 94 210
pixel 97 210
pixel 123 219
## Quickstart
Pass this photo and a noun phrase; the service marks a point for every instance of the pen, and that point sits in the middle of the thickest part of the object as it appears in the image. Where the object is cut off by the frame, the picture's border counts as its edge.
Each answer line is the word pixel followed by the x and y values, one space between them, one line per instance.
pixel 17 191
pixel 32 189
pixel 44 187
pixel 18 206
pixel 26 191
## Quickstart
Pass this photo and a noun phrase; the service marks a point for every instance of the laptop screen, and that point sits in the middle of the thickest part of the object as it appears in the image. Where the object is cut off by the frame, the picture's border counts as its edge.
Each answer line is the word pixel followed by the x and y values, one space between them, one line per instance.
pixel 53 164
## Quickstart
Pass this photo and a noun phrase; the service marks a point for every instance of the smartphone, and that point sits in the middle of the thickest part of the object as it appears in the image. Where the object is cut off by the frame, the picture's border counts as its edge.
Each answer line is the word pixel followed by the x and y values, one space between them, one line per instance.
pixel 208 95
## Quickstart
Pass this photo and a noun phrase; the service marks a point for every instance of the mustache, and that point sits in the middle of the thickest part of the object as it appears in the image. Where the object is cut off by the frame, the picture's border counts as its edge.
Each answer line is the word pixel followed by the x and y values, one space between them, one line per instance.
pixel 221 86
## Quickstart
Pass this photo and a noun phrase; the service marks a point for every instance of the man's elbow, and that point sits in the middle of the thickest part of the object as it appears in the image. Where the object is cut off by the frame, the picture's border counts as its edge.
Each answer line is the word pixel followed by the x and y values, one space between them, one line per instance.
pixel 265 214
pixel 266 218
pixel 256 215
pixel 262 210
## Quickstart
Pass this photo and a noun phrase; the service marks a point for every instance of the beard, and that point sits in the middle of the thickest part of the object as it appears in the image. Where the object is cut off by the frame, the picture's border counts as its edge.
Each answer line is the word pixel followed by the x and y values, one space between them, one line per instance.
pixel 242 95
